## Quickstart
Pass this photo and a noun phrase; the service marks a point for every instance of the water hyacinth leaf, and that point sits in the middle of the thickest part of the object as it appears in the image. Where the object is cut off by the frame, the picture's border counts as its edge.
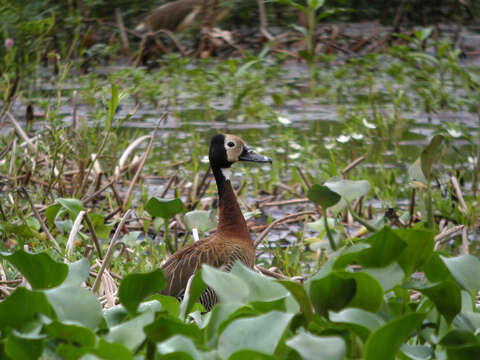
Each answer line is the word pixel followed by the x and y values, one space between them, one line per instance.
pixel 115 315
pixel 24 347
pixel 71 333
pixel 196 287
pixel 136 287
pixel 76 304
pixel 360 321
pixel 319 225
pixel 385 342
pixel 22 306
pixel 251 355
pixel 260 288
pixel 461 344
pixel 417 352
pixel 349 190
pixel 41 271
pixel 165 326
pixel 388 276
pixel 385 247
pixel 228 287
pixel 465 269
pixel 420 244
pixel 261 333
pixel 106 350
pixel 435 269
pixel 331 292
pixel 301 296
pixel 200 219
pixel 164 208
pixel 323 196
pixel 445 295
pixel 431 154
pixel 169 303
pixel 348 255
pixel 369 292
pixel 77 272
pixel 312 347
pixel 130 333
pixel 51 213
pixel 179 345
pixel 102 229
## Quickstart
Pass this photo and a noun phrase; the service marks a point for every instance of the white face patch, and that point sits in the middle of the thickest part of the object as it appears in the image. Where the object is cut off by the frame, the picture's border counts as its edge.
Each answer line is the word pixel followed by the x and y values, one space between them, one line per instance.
pixel 226 173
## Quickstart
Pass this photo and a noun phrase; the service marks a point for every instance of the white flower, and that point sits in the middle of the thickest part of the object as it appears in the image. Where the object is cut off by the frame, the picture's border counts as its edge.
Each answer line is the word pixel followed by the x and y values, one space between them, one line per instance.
pixel 357 136
pixel 369 125
pixel 455 133
pixel 344 139
pixel 330 145
pixel 205 159
pixel 294 156
pixel 283 120
pixel 280 151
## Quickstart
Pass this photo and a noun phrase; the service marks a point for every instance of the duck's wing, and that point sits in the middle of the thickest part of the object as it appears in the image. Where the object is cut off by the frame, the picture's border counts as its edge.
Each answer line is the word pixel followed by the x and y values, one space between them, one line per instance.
pixel 184 263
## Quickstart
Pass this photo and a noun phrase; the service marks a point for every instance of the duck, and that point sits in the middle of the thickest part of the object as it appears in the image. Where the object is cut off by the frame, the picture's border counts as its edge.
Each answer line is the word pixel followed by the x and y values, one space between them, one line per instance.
pixel 232 241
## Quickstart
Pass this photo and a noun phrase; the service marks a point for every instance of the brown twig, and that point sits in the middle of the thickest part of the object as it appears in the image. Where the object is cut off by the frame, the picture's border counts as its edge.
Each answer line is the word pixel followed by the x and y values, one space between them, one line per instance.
pixel 446 235
pixel 121 27
pixel 94 236
pixel 109 253
pixel 277 221
pixel 142 163
pixel 352 165
pixel 455 185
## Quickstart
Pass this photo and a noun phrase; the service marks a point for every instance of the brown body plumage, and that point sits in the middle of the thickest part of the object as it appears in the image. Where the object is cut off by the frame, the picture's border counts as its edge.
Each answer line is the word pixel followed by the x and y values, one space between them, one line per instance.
pixel 232 240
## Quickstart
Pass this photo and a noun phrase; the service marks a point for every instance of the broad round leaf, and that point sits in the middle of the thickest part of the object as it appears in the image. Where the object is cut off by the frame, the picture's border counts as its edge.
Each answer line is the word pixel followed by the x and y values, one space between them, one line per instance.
pixel 72 333
pixel 197 287
pixel 360 321
pixel 261 333
pixel 77 272
pixel 136 287
pixel 465 269
pixel 385 247
pixel 312 347
pixel 323 196
pixel 24 347
pixel 164 208
pixel 349 190
pixel 200 219
pixel 166 326
pixel 41 271
pixel 385 342
pixel 179 344
pixel 76 304
pixel 130 333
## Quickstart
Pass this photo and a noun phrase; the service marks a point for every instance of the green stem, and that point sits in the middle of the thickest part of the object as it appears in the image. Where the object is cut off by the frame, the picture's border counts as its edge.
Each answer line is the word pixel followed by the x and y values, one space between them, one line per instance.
pixel 327 230
pixel 358 219
pixel 428 206
pixel 166 238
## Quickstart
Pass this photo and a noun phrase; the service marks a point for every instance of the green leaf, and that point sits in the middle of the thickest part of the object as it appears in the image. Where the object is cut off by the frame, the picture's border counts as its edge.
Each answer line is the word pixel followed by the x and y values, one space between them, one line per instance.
pixel 385 247
pixel 78 272
pixel 136 287
pixel 445 295
pixel 71 333
pixel 385 342
pixel 200 219
pixel 169 304
pixel 323 196
pixel 41 271
pixel 301 296
pixel 130 333
pixel 73 206
pixel 228 288
pixel 465 269
pixel 416 174
pixel 312 347
pixel 419 248
pixel 109 351
pixel 166 326
pixel 76 304
pixel 102 229
pixel 197 287
pixel 251 355
pixel 179 344
pixel 23 347
pixel 388 276
pixel 331 292
pixel 261 333
pixel 461 344
pixel 164 208
pixel 417 352
pixel 369 292
pixel 360 321
pixel 22 306
pixel 51 213
pixel 431 154
pixel 349 190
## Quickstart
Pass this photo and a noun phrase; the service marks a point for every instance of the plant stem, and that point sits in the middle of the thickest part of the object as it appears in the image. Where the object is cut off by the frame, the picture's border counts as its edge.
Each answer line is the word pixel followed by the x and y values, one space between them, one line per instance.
pixel 327 229
pixel 358 219
pixel 166 238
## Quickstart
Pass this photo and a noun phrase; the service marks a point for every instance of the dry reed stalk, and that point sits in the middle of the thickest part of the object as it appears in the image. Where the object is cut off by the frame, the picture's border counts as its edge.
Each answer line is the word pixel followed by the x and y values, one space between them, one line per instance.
pixel 277 221
pixel 74 232
pixel 91 228
pixel 130 148
pixel 144 159
pixel 284 202
pixel 111 246
pixel 458 191
pixel 446 235
pixel 464 247
pixel 352 165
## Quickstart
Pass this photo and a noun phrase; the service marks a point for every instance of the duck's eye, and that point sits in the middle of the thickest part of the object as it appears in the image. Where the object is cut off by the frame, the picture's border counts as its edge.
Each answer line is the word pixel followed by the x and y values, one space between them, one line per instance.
pixel 231 144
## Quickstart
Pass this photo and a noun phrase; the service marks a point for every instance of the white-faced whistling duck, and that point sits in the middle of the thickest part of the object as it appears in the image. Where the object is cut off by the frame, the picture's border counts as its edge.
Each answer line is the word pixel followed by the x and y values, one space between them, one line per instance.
pixel 232 240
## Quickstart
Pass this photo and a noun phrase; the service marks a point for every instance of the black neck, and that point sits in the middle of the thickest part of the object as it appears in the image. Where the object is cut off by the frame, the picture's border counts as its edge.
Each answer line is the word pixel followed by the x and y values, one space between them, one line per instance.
pixel 220 180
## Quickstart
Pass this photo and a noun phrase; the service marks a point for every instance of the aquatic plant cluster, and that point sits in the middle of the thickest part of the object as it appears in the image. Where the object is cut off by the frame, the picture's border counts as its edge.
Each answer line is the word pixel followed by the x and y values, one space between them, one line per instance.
pixel 365 224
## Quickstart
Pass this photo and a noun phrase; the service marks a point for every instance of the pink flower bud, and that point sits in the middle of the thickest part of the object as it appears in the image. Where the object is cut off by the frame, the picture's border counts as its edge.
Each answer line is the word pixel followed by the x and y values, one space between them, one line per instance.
pixel 8 42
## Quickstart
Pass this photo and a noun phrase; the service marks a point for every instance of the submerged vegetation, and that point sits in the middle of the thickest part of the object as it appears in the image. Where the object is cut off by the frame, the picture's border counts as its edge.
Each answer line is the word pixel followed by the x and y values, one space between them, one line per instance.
pixel 366 223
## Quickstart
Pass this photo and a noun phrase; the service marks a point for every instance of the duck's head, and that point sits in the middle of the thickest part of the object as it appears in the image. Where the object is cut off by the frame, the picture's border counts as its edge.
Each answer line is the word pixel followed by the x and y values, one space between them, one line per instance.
pixel 226 150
